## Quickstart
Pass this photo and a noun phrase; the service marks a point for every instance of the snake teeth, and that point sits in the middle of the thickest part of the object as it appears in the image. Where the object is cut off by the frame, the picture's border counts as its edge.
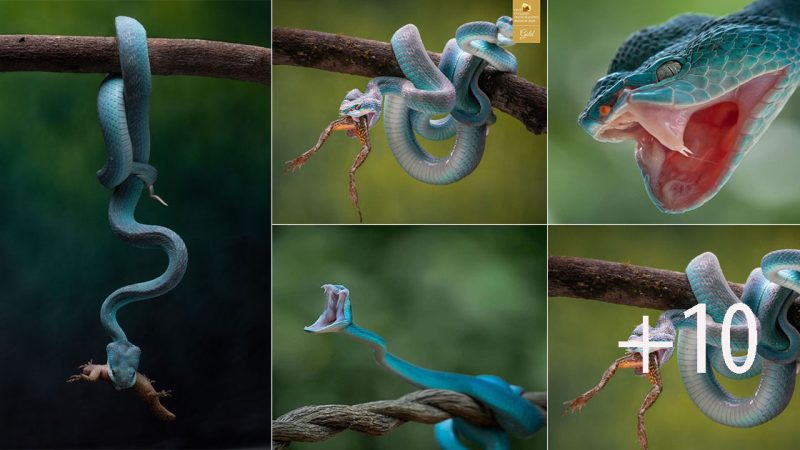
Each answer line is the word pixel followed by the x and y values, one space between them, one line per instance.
pixel 336 315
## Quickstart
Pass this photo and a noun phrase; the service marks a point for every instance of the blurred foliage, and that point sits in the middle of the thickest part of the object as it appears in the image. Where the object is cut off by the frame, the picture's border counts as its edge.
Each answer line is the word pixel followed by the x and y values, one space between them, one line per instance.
pixel 460 299
pixel 584 334
pixel 205 340
pixel 509 186
pixel 593 182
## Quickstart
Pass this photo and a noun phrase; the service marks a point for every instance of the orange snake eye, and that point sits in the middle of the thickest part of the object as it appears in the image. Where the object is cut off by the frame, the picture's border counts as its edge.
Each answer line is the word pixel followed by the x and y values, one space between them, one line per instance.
pixel 604 110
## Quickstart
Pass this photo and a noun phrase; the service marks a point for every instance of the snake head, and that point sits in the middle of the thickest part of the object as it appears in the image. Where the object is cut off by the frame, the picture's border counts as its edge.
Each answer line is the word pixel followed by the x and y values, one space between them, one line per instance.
pixel 695 107
pixel 505 31
pixel 357 104
pixel 123 362
pixel 664 331
pixel 337 314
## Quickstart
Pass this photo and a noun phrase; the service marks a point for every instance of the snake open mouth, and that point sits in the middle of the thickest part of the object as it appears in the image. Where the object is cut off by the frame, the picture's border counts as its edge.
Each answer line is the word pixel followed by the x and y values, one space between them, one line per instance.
pixel 687 153
pixel 336 315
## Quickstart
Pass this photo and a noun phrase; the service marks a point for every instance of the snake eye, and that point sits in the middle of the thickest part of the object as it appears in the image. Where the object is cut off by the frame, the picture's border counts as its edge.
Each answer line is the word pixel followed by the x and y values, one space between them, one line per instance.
pixel 668 69
pixel 358 107
pixel 604 110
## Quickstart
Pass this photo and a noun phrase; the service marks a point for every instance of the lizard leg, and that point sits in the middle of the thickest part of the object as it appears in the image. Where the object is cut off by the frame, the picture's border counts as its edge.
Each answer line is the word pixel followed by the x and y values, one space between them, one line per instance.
pixel 362 132
pixel 146 392
pixel 342 123
pixel 654 376
pixel 630 360
pixel 89 372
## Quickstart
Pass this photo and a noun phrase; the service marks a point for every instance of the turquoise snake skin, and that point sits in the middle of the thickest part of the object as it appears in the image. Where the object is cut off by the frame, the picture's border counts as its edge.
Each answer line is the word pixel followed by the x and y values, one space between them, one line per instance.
pixel 477 44
pixel 769 292
pixel 123 110
pixel 451 90
pixel 696 93
pixel 514 414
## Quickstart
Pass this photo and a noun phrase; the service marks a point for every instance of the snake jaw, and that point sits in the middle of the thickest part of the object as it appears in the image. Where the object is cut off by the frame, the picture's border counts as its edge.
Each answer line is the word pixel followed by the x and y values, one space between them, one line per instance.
pixel 337 314
pixel 664 331
pixel 357 104
pixel 688 150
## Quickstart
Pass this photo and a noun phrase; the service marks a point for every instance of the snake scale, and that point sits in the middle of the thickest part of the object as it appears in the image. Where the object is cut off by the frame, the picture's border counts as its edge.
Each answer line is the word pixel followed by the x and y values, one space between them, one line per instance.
pixel 514 414
pixel 427 90
pixel 123 105
pixel 769 293
pixel 695 94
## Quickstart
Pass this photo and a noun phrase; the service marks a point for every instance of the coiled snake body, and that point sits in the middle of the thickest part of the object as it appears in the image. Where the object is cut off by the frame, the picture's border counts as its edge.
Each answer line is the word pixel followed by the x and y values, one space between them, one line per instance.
pixel 769 293
pixel 696 93
pixel 123 109
pixel 514 414
pixel 411 103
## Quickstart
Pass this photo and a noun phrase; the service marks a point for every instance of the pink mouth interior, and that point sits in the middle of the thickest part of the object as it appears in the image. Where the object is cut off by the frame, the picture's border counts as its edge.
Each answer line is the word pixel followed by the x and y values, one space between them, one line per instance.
pixel 711 131
pixel 711 134
pixel 334 310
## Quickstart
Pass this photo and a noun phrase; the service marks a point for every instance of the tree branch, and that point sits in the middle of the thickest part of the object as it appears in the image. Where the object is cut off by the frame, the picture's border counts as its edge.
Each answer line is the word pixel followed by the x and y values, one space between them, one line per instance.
pixel 626 284
pixel 509 93
pixel 83 54
pixel 318 423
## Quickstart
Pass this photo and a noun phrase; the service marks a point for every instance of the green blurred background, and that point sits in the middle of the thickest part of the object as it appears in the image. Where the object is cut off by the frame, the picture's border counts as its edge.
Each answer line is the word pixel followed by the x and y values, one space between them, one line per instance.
pixel 461 299
pixel 509 186
pixel 207 339
pixel 584 334
pixel 593 182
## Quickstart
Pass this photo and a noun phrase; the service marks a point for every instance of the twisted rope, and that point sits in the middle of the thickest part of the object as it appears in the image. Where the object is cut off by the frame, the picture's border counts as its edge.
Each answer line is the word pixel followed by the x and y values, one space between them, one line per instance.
pixel 318 423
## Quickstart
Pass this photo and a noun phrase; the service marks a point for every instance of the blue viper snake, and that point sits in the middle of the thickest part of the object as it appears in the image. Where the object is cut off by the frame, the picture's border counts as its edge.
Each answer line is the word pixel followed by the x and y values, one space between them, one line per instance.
pixel 514 414
pixel 695 94
pixel 769 293
pixel 123 108
pixel 412 102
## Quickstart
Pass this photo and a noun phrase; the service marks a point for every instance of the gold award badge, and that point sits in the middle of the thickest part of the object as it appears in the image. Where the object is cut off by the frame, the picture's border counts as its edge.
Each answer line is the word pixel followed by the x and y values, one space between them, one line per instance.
pixel 527 22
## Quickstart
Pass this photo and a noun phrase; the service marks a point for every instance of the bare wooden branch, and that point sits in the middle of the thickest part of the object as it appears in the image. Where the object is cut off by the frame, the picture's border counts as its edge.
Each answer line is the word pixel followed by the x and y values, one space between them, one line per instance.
pixel 626 284
pixel 318 423
pixel 88 54
pixel 509 93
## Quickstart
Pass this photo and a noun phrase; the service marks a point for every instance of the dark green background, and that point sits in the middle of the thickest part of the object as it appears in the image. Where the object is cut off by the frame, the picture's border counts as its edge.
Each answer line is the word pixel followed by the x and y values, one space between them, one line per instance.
pixel 207 339
pixel 460 299
pixel 584 334
pixel 509 186
pixel 594 182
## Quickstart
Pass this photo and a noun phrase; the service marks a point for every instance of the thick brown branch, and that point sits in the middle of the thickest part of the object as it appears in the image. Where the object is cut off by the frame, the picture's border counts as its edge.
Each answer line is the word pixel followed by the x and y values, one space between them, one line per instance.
pixel 318 423
pixel 84 54
pixel 626 284
pixel 511 94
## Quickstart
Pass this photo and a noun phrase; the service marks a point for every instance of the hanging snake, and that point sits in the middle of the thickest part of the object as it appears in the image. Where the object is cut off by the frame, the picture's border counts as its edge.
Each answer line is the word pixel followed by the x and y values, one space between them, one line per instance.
pixel 514 414
pixel 695 94
pixel 123 105
pixel 411 102
pixel 769 293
